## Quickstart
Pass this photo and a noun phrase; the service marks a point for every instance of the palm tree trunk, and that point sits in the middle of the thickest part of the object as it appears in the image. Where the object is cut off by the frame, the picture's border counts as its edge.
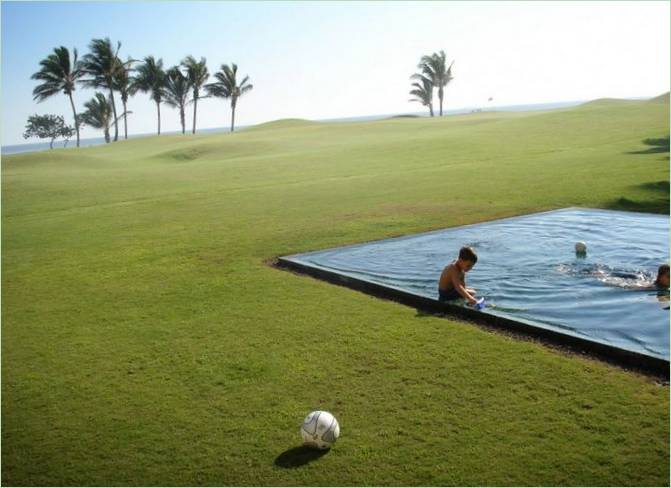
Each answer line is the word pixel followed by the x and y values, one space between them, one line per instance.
pixel 116 126
pixel 232 117
pixel 195 106
pixel 431 109
pixel 440 96
pixel 125 121
pixel 51 143
pixel 158 108
pixel 74 112
pixel 181 118
pixel 107 135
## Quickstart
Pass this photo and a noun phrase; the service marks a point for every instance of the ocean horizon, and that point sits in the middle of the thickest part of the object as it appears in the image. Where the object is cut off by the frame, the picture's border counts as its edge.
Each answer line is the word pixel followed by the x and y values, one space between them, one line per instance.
pixel 9 149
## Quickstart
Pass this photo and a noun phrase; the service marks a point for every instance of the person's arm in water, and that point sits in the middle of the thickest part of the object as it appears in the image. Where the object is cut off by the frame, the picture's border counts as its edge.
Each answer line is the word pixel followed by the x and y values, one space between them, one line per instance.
pixel 463 283
pixel 458 284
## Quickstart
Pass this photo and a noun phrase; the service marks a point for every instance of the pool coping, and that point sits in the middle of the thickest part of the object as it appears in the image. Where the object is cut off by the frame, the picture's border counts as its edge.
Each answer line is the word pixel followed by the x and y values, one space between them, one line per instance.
pixel 622 357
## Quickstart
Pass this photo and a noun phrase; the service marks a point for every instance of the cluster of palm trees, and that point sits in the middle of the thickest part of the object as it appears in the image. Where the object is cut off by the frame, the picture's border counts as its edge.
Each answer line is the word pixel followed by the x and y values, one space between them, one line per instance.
pixel 103 69
pixel 434 73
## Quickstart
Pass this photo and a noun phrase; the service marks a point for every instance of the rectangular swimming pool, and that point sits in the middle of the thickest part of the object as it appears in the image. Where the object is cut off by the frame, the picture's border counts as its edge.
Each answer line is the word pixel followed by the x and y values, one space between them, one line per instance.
pixel 529 272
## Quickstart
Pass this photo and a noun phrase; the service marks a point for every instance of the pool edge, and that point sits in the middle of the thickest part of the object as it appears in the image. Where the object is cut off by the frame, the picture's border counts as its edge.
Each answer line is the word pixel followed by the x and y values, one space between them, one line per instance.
pixel 622 357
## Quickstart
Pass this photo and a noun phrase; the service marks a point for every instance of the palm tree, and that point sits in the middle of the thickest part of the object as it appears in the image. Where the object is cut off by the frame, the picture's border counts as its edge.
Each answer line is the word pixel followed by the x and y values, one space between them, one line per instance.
pixel 98 114
pixel 122 84
pixel 102 64
pixel 423 92
pixel 150 78
pixel 197 74
pixel 227 87
pixel 435 68
pixel 58 75
pixel 177 91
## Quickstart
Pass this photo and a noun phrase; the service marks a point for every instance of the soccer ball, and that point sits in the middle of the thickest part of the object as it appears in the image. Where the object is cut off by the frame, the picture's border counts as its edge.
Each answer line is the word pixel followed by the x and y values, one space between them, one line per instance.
pixel 320 429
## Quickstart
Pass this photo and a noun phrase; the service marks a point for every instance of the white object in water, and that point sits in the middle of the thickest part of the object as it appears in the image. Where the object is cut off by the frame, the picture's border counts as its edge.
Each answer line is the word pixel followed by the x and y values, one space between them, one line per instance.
pixel 480 304
pixel 580 247
pixel 320 429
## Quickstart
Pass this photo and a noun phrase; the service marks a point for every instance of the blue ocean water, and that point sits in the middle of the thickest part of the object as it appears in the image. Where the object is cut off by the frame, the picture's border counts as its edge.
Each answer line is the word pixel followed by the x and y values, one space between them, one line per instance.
pixel 528 269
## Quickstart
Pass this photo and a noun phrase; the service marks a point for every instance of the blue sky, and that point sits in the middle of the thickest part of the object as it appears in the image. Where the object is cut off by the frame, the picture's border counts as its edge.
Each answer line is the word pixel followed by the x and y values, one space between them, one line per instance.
pixel 337 59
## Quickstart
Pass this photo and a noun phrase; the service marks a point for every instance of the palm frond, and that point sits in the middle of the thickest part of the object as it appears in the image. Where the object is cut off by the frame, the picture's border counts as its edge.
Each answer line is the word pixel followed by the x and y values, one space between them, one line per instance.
pixel 101 64
pixel 226 85
pixel 423 91
pixel 98 113
pixel 149 78
pixel 58 74
pixel 177 88
pixel 434 67
pixel 197 74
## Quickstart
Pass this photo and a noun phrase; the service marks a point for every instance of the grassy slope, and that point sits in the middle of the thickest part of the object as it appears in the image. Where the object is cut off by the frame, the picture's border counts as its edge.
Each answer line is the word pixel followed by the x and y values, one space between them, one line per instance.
pixel 145 341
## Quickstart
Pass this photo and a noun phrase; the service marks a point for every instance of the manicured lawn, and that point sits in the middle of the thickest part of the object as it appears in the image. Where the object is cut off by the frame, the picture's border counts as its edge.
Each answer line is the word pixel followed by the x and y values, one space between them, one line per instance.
pixel 146 340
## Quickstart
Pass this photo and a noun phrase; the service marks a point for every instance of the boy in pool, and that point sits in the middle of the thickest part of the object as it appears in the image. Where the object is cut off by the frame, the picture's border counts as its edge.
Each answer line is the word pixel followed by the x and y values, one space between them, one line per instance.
pixel 662 280
pixel 452 282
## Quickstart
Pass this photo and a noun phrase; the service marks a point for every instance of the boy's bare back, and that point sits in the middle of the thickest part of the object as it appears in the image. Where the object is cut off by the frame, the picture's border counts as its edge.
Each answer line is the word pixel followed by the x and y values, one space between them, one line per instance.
pixel 449 276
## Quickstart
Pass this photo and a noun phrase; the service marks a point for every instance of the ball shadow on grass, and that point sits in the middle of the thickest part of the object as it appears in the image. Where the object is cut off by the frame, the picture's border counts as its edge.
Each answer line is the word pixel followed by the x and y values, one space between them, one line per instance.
pixel 298 456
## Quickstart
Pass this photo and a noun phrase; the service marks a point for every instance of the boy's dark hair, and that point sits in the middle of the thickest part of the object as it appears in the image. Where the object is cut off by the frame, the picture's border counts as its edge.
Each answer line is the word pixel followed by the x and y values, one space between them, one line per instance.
pixel 467 254
pixel 663 269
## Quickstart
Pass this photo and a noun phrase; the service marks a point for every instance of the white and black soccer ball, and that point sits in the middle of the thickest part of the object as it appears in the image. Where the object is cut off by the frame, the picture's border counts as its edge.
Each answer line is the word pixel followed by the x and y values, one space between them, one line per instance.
pixel 320 430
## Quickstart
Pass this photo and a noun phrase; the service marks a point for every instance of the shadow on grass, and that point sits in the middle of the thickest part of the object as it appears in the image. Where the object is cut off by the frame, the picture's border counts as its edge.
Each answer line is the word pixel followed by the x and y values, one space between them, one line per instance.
pixel 660 205
pixel 656 186
pixel 657 145
pixel 298 456
pixel 657 202
pixel 424 314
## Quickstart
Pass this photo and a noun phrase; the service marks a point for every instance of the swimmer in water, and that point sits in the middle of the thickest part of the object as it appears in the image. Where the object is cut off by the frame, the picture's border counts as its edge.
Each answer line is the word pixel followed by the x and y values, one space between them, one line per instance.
pixel 622 278
pixel 662 284
pixel 662 280
pixel 641 281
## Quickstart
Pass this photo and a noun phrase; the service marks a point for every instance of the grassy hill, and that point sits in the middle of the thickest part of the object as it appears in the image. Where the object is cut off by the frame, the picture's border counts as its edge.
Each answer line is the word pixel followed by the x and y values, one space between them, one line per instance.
pixel 283 124
pixel 146 341
pixel 610 102
pixel 664 98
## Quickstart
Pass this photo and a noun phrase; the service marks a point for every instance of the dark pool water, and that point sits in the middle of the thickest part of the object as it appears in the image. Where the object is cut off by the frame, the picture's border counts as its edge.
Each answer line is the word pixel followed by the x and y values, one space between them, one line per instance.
pixel 528 270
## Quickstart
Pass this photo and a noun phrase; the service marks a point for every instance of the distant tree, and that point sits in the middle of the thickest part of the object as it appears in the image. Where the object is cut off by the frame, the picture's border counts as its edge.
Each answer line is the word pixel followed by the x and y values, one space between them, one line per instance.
pixel 150 78
pixel 177 89
pixel 98 114
pixel 66 133
pixel 423 91
pixel 122 83
pixel 47 127
pixel 227 87
pixel 102 65
pixel 196 72
pixel 59 73
pixel 435 68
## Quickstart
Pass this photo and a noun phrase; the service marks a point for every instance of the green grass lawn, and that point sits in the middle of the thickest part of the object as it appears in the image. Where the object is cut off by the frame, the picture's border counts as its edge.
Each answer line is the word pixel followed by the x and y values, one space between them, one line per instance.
pixel 146 340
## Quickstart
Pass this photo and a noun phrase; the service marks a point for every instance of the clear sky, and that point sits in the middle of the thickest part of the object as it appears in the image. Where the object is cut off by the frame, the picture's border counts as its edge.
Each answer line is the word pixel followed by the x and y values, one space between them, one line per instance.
pixel 337 59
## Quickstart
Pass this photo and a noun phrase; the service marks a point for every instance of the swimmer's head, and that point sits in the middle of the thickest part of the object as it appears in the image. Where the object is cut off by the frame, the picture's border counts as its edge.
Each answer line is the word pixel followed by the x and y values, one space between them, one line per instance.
pixel 580 248
pixel 467 258
pixel 663 276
